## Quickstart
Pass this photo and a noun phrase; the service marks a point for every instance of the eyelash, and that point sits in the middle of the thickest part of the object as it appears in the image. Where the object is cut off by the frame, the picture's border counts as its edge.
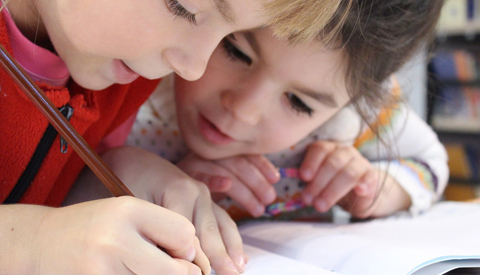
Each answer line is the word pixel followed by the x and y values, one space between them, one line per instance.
pixel 298 105
pixel 178 10
pixel 234 53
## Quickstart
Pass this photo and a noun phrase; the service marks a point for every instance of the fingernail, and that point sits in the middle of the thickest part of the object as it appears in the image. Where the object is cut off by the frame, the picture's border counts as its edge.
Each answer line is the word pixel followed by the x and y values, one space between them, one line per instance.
pixel 363 188
pixel 321 205
pixel 273 176
pixel 306 173
pixel 191 253
pixel 232 266
pixel 307 198
pixel 259 210
pixel 269 196
pixel 216 183
pixel 241 263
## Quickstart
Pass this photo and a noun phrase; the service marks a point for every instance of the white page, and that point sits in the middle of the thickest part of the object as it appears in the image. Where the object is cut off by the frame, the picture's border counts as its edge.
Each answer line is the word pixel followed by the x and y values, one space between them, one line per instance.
pixel 265 263
pixel 394 245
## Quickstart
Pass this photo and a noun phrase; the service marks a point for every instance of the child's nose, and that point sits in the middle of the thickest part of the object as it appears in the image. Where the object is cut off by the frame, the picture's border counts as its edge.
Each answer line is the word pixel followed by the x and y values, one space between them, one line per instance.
pixel 246 106
pixel 187 65
pixel 191 58
pixel 240 109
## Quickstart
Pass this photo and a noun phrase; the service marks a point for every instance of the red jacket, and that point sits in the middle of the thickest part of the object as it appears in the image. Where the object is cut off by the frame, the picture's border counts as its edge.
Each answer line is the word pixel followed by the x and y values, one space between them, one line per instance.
pixel 96 114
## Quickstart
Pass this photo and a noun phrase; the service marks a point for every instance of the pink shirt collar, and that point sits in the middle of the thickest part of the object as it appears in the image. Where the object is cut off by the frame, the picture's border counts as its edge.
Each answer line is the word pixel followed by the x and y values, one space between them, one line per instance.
pixel 41 64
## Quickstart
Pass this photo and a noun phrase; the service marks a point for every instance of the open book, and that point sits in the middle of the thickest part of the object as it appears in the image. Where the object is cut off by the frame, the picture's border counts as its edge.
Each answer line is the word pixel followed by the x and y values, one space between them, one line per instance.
pixel 445 238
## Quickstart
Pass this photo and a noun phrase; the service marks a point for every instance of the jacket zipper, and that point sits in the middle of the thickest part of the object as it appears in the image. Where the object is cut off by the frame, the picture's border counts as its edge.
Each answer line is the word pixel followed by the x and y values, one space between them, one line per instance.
pixel 37 159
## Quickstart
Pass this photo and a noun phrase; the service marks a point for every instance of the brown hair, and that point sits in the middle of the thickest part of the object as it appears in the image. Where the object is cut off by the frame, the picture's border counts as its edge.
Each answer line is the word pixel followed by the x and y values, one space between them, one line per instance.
pixel 378 37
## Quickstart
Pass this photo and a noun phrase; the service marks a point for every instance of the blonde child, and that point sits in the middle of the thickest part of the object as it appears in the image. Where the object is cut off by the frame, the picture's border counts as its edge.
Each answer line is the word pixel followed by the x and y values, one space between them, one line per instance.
pixel 99 60
pixel 328 103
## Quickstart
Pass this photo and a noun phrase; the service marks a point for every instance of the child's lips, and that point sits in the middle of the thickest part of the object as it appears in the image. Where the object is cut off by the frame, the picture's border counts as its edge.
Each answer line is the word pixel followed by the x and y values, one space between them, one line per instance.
pixel 212 133
pixel 123 73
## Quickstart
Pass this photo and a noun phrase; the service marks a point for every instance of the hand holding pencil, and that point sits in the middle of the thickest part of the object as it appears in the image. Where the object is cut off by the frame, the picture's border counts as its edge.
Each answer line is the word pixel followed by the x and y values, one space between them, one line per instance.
pixel 110 236
pixel 156 180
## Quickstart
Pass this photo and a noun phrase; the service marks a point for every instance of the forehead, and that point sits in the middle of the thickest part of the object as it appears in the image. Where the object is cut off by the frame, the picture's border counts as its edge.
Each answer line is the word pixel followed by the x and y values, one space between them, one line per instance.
pixel 312 65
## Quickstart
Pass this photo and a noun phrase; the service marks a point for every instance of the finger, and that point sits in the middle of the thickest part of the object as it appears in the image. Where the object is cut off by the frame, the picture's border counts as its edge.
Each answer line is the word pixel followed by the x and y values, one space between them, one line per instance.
pixel 315 155
pixel 231 238
pixel 341 184
pixel 332 164
pixel 163 227
pixel 244 196
pixel 215 183
pixel 365 190
pixel 368 184
pixel 265 166
pixel 181 196
pixel 210 237
pixel 358 206
pixel 201 259
pixel 363 205
pixel 143 257
pixel 250 176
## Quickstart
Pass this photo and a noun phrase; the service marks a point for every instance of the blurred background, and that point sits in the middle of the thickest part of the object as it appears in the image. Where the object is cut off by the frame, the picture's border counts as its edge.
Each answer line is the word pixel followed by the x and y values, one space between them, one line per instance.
pixel 442 84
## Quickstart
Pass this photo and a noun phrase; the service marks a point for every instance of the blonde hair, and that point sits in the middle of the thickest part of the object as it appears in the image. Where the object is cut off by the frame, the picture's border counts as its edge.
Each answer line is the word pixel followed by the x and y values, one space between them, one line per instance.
pixel 299 21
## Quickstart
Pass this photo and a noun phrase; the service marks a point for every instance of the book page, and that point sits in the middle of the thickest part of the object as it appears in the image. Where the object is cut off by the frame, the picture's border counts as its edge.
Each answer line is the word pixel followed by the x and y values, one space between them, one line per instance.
pixel 265 263
pixel 394 245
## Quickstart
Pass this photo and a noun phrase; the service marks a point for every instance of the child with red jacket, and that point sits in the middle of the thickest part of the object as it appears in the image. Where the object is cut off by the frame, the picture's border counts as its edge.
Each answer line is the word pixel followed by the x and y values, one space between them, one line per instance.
pixel 97 61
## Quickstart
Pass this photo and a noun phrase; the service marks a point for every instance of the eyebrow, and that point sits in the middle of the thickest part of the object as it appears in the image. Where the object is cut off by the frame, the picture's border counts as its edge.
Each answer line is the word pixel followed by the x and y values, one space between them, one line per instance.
pixel 324 98
pixel 226 10
pixel 252 40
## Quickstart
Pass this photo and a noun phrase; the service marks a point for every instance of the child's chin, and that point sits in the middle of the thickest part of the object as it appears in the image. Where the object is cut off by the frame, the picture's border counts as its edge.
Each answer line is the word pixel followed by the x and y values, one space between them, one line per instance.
pixel 212 154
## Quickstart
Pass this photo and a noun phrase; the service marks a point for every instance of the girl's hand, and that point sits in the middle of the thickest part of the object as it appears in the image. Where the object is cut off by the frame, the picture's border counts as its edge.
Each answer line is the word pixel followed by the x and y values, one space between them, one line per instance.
pixel 339 174
pixel 245 179
pixel 388 199
pixel 108 236
pixel 156 180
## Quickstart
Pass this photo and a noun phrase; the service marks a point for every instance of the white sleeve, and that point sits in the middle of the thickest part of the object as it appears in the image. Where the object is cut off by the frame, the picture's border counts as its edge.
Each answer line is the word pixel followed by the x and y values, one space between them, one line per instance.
pixel 419 162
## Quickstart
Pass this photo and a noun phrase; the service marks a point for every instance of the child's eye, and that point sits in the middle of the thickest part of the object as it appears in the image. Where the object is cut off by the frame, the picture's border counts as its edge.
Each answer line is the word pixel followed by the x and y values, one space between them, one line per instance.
pixel 178 10
pixel 298 105
pixel 234 53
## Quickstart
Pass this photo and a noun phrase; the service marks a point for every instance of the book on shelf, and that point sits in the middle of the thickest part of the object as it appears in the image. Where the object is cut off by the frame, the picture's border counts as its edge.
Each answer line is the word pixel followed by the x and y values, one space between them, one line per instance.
pixel 458 161
pixel 457 100
pixel 457 109
pixel 453 15
pixel 459 17
pixel 442 239
pixel 460 191
pixel 463 161
pixel 457 65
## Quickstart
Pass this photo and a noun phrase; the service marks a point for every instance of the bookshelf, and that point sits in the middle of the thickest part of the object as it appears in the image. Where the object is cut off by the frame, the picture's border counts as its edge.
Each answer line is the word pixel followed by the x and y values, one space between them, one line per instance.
pixel 453 103
pixel 459 17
